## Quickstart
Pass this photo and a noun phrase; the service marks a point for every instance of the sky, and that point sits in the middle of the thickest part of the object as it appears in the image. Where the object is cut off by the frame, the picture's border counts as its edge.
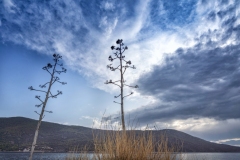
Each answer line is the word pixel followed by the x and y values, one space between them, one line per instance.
pixel 186 53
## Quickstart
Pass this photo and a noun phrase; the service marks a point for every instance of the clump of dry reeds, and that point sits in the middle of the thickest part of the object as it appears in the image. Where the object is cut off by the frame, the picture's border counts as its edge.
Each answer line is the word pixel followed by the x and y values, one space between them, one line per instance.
pixel 130 145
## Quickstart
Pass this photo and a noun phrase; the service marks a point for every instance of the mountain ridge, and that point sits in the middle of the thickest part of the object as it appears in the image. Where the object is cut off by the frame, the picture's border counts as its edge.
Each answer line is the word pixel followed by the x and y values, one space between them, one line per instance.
pixel 16 133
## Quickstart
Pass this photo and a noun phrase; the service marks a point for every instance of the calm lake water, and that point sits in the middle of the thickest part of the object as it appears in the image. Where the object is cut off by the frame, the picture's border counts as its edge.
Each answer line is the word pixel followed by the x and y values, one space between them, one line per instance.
pixel 63 156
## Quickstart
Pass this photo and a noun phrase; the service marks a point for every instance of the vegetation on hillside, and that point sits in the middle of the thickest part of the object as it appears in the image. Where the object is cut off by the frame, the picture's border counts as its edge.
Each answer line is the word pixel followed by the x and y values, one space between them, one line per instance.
pixel 16 134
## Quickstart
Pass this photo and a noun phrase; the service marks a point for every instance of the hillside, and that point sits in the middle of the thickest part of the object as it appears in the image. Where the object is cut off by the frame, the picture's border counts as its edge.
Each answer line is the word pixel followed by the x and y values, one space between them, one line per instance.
pixel 17 133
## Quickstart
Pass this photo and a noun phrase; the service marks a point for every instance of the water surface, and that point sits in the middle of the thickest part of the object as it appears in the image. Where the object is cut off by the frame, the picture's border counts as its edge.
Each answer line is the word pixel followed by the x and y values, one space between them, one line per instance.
pixel 64 156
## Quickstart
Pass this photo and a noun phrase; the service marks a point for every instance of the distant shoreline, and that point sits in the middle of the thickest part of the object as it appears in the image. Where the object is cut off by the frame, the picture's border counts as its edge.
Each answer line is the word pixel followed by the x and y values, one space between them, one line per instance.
pixel 42 152
pixel 93 152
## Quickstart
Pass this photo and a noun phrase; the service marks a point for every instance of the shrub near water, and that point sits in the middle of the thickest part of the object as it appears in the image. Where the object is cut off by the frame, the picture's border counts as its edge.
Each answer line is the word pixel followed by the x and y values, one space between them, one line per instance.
pixel 129 145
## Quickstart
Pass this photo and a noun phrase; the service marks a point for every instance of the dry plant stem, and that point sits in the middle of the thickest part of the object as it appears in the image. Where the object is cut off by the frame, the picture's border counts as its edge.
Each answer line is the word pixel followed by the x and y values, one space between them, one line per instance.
pixel 122 68
pixel 41 115
pixel 53 79
pixel 122 111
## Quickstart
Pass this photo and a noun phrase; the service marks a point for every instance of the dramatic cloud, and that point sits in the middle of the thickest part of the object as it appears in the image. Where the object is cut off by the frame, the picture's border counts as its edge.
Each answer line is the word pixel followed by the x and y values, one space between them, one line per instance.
pixel 196 82
pixel 187 52
pixel 200 82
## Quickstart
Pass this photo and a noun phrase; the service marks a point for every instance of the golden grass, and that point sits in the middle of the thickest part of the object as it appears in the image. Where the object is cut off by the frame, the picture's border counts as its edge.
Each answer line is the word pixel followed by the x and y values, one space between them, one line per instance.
pixel 130 145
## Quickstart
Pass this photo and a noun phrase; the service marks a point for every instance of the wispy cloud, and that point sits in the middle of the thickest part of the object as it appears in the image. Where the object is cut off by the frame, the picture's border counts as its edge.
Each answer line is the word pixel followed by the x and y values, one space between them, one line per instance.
pixel 9 5
pixel 83 32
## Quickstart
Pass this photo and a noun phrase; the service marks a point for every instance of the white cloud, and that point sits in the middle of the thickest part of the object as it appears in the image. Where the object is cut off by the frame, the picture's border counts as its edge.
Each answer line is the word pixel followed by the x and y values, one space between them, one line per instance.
pixel 9 6
pixel 192 124
pixel 107 123
pixel 227 140
pixel 107 25
pixel 107 5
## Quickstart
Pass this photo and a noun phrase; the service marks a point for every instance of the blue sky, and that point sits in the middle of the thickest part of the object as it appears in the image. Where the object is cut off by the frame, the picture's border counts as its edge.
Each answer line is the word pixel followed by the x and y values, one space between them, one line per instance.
pixel 187 55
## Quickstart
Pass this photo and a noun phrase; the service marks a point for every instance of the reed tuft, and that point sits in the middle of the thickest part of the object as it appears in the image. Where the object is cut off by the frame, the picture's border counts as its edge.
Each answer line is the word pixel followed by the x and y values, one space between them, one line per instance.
pixel 130 145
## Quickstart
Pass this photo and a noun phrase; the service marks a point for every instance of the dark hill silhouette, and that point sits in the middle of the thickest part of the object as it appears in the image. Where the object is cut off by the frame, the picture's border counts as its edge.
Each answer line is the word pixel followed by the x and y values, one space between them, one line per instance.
pixel 16 133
